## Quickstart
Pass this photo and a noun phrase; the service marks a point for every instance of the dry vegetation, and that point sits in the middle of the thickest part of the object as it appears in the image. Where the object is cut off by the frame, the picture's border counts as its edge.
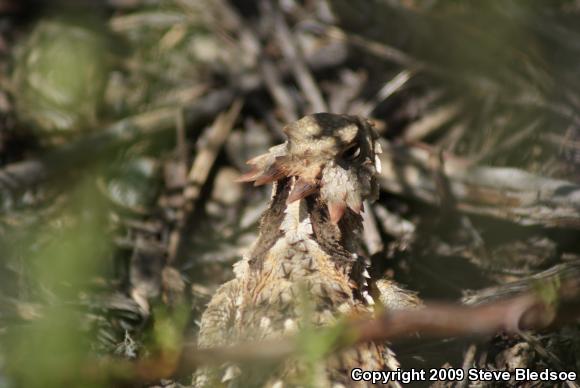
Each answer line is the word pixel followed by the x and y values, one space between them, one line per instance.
pixel 124 124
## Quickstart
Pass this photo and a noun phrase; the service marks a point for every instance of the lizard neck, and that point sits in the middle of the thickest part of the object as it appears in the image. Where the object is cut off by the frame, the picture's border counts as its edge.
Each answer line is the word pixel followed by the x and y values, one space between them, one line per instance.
pixel 307 219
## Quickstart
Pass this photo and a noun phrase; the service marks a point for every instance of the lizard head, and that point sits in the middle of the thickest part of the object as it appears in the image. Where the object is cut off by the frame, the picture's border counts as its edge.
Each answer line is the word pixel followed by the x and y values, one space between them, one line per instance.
pixel 329 154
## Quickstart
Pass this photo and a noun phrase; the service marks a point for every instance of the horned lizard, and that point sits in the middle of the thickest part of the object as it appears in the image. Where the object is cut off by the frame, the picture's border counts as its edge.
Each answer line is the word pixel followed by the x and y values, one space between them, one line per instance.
pixel 310 239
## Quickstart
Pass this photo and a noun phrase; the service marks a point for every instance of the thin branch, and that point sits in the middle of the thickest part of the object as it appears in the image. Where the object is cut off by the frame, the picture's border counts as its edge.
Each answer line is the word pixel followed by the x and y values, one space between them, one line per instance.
pixel 528 311
pixel 501 192
pixel 271 74
pixel 204 160
pixel 563 272
pixel 76 154
pixel 19 176
pixel 274 84
pixel 295 58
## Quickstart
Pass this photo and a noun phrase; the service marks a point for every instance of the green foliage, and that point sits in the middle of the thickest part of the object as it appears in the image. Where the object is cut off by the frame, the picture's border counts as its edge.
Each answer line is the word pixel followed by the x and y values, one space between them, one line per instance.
pixel 173 51
pixel 315 344
pixel 548 290
pixel 60 75
pixel 503 66
pixel 53 349
pixel 168 328
pixel 132 184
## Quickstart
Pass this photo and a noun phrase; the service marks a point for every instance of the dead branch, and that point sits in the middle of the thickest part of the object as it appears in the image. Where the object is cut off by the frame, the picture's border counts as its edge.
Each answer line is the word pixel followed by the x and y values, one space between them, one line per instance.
pixel 506 193
pixel 213 142
pixel 298 65
pixel 19 176
pixel 562 272
pixel 527 311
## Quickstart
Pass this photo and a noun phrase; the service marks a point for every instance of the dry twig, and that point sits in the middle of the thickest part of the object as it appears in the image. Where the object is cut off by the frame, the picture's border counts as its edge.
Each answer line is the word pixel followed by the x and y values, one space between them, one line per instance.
pixel 76 154
pixel 295 58
pixel 505 193
pixel 204 160
pixel 528 311
pixel 19 176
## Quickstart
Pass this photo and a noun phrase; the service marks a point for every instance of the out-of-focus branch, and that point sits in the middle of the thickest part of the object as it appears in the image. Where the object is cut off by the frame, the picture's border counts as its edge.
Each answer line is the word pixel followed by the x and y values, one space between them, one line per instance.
pixel 563 272
pixel 22 175
pixel 199 173
pixel 506 193
pixel 298 65
pixel 528 311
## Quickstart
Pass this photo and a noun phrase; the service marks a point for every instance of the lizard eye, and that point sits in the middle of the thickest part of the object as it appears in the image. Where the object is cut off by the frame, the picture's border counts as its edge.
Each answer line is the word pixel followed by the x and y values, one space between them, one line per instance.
pixel 352 152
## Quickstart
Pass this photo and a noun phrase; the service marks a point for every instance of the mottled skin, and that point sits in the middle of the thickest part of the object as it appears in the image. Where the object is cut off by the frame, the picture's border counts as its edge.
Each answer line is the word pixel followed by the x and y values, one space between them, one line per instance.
pixel 308 248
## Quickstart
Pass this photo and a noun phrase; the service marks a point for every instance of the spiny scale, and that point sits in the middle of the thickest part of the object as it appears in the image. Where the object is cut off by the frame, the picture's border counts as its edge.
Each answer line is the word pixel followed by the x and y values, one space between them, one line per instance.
pixel 309 243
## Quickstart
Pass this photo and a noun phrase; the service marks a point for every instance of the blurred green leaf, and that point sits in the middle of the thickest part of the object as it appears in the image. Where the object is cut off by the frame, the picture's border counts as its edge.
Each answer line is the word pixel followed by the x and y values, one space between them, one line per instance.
pixel 54 350
pixel 168 328
pixel 60 74
pixel 548 290
pixel 133 184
